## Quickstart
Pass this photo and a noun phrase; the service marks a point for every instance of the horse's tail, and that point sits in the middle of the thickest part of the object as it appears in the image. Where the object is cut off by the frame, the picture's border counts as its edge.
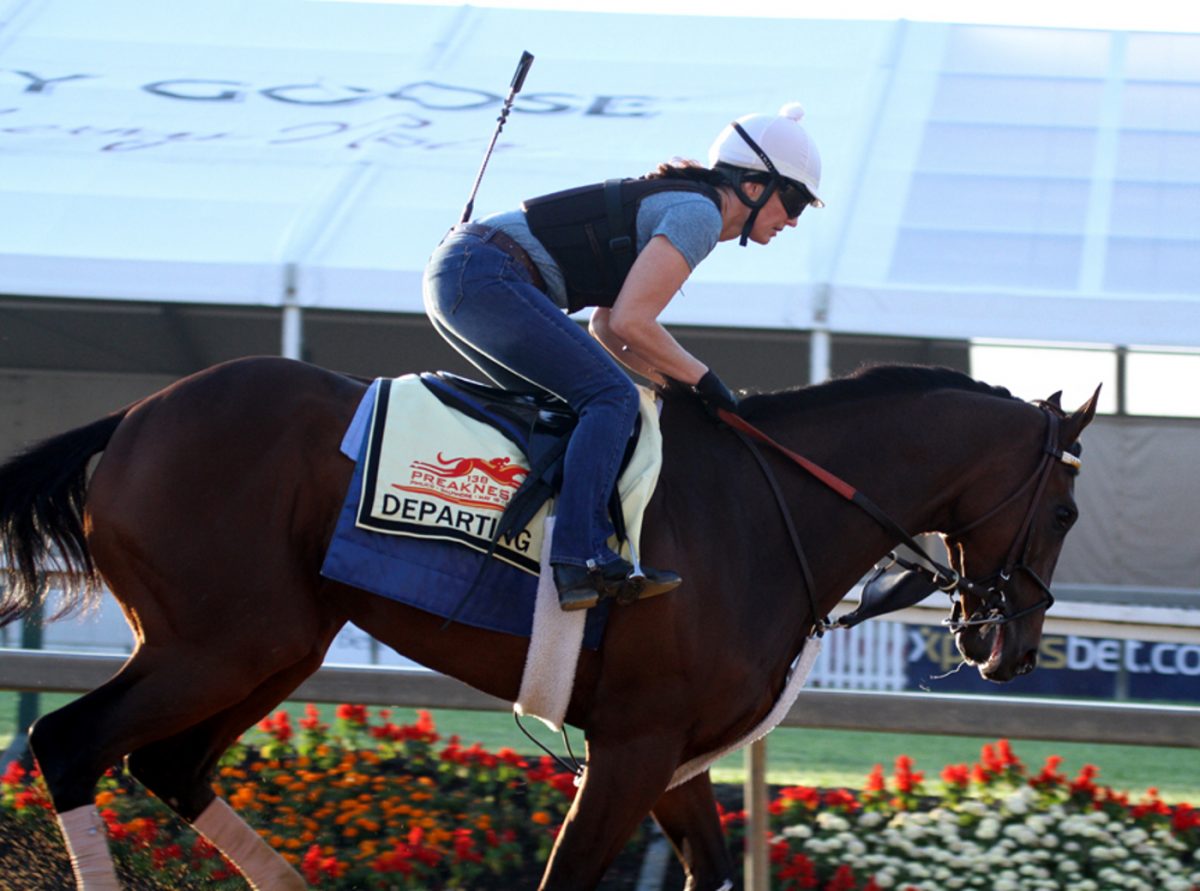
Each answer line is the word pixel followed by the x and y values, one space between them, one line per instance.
pixel 42 491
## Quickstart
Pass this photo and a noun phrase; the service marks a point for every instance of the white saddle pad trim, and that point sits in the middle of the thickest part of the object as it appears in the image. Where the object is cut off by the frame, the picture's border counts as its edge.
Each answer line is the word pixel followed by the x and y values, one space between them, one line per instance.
pixel 798 675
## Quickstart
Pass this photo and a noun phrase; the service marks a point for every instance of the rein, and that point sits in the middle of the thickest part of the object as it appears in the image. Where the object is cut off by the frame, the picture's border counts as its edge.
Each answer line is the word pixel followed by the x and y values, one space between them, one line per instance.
pixel 935 575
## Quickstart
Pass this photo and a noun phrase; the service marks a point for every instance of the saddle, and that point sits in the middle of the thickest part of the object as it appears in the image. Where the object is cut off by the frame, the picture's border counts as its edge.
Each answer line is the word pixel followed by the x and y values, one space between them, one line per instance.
pixel 540 425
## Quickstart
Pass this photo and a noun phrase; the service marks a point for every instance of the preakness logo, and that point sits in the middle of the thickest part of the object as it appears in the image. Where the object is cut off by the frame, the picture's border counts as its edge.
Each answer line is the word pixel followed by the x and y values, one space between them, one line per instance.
pixel 470 482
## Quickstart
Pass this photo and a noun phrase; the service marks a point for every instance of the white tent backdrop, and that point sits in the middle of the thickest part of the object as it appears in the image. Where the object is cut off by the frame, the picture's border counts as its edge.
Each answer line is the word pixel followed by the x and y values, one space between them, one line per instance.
pixel 981 181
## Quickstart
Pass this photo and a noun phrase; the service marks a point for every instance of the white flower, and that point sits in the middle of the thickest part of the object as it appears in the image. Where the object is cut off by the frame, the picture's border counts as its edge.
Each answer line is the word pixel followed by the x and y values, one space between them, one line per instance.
pixel 988 828
pixel 1018 802
pixel 1177 884
pixel 1110 875
pixel 1006 885
pixel 870 819
pixel 1023 835
pixel 1049 840
pixel 854 847
pixel 832 822
pixel 1134 836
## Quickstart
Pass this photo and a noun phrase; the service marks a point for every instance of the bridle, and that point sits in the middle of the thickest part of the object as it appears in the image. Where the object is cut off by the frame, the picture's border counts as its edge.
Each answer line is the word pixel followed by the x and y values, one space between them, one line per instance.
pixel 924 577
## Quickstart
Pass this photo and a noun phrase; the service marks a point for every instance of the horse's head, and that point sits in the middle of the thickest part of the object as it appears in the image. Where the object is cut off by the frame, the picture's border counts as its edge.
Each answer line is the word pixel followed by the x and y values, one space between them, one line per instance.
pixel 1007 554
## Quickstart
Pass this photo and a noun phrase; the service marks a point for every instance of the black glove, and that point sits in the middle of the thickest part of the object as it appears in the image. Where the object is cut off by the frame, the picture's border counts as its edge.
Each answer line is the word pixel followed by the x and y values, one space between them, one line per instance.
pixel 715 395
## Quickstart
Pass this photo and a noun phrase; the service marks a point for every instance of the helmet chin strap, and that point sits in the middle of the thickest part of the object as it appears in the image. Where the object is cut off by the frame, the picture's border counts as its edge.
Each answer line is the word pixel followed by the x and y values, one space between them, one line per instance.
pixel 755 206
pixel 768 189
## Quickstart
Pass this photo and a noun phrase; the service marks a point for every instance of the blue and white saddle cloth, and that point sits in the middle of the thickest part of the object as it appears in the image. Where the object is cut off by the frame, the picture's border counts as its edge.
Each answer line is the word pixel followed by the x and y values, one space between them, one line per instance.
pixel 428 490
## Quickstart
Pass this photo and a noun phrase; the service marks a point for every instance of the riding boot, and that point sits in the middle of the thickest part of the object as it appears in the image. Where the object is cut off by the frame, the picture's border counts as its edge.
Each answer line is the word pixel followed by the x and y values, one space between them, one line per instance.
pixel 582 587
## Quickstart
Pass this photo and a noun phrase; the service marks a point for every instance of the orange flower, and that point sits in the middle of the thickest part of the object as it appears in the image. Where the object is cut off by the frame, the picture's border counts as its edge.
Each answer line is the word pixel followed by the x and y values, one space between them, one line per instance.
pixel 541 818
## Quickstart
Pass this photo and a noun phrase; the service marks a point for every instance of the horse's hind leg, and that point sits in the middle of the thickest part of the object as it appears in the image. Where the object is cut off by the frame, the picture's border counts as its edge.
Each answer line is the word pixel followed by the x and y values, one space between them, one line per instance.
pixel 155 695
pixel 71 772
pixel 179 769
pixel 688 817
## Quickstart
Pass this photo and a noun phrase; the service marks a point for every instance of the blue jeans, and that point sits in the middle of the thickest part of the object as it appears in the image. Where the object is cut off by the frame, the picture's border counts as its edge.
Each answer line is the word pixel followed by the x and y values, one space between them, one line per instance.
pixel 482 301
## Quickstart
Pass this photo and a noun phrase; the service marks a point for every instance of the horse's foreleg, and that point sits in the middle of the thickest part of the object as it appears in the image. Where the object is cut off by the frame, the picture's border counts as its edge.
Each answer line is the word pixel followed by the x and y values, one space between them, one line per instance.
pixel 622 781
pixel 688 817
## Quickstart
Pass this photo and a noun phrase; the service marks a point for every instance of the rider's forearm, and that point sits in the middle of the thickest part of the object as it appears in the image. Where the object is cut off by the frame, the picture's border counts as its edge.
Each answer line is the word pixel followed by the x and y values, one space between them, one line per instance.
pixel 647 349
pixel 620 350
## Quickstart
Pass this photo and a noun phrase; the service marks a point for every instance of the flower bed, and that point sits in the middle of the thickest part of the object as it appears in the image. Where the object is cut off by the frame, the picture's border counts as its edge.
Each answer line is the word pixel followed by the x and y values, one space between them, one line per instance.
pixel 990 825
pixel 363 804
pixel 369 804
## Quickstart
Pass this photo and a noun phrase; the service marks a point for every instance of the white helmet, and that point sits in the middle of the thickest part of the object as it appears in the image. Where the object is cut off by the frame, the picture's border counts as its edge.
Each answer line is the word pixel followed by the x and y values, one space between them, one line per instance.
pixel 781 139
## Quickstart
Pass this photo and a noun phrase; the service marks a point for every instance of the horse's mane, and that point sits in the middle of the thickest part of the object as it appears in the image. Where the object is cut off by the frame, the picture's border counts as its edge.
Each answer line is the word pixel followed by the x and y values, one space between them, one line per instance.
pixel 867 382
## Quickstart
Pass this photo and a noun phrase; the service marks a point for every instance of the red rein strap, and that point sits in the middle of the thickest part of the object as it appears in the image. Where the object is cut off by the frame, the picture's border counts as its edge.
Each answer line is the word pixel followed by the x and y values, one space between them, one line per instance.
pixel 836 483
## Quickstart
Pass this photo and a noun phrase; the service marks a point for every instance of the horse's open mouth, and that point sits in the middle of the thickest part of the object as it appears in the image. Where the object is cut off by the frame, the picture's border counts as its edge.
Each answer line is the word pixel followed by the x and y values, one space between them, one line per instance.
pixel 983 648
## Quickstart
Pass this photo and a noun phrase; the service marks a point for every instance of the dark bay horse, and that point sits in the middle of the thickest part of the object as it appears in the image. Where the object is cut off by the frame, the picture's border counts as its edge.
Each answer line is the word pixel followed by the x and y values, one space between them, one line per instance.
pixel 209 512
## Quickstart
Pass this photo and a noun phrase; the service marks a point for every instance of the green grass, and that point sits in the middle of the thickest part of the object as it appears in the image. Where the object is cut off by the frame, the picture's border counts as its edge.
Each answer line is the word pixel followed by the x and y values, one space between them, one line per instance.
pixel 817 757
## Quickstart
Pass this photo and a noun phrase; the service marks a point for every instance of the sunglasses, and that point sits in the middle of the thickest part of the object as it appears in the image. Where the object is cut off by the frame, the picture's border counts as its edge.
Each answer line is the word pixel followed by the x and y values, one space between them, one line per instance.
pixel 794 198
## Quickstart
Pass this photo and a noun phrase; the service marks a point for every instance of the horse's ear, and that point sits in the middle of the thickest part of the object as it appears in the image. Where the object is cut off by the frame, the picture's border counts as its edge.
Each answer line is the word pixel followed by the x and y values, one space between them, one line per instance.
pixel 1055 399
pixel 1074 423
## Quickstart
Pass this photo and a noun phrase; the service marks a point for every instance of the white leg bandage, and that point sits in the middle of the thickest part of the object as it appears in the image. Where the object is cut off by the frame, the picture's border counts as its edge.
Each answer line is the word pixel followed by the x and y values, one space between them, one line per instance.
pixel 261 865
pixel 87 842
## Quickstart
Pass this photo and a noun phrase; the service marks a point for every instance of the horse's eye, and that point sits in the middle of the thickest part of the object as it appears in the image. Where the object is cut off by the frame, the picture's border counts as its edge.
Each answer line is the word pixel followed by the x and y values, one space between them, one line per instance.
pixel 1064 517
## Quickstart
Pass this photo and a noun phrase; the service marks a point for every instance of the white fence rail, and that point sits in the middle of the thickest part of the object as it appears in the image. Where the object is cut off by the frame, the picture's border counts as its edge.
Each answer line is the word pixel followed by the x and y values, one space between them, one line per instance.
pixel 1058 720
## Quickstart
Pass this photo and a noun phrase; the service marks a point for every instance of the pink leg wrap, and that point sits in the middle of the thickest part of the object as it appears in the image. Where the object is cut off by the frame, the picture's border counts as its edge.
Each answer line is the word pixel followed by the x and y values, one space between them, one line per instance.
pixel 262 866
pixel 87 842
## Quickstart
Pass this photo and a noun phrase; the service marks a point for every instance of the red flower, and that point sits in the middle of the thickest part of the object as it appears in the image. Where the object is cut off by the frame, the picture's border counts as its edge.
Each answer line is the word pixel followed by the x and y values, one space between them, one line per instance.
pixel 843 880
pixel 315 867
pixel 797 872
pixel 352 714
pixel 907 779
pixel 804 795
pixel 1083 785
pixel 464 846
pixel 278 725
pixel 1049 776
pixel 840 799
pixel 312 719
pixel 13 775
pixel 956 775
pixel 875 781
pixel 1185 817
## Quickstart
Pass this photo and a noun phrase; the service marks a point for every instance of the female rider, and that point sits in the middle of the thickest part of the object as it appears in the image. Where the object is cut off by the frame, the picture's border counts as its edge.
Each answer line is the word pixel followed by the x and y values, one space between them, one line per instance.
pixel 496 289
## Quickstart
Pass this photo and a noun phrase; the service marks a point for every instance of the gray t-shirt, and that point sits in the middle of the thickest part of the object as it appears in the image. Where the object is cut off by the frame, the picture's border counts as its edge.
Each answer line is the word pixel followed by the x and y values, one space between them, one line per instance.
pixel 690 221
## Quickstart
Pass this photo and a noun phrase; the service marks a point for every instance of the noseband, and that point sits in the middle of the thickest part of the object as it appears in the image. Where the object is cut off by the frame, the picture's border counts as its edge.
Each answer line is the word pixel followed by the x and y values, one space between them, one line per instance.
pixel 928 575
pixel 995 604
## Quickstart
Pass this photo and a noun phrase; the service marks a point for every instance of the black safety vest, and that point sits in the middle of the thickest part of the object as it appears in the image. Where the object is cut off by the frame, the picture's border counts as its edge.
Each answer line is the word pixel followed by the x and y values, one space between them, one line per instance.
pixel 590 232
